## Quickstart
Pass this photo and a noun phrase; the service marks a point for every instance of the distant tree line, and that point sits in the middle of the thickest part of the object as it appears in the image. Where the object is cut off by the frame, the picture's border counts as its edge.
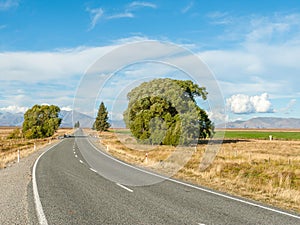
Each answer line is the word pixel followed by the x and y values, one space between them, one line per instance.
pixel 77 124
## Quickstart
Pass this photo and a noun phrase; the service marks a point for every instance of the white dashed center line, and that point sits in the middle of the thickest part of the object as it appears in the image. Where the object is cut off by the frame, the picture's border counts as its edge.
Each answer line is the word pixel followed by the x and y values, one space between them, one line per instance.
pixel 126 188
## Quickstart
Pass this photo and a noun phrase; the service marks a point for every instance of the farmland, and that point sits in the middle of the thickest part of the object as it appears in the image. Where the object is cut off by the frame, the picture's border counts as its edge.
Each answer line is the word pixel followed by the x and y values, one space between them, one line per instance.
pixel 261 134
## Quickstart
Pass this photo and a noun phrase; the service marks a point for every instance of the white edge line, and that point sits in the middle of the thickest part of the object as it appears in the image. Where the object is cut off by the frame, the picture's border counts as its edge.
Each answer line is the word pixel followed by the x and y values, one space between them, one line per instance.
pixel 38 205
pixel 76 156
pixel 195 187
pixel 81 161
pixel 93 170
pixel 124 187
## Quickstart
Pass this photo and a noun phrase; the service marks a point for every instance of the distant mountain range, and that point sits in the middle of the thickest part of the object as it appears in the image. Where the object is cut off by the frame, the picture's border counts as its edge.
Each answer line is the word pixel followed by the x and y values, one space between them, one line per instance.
pixel 16 119
pixel 67 119
pixel 265 122
pixel 8 119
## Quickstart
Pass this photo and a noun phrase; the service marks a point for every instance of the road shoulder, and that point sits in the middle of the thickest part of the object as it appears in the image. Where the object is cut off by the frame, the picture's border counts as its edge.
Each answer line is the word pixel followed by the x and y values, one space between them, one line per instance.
pixel 15 186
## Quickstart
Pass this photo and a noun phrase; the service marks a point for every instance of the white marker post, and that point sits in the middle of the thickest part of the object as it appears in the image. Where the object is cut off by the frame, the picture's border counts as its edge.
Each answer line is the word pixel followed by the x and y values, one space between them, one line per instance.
pixel 18 156
pixel 34 147
pixel 270 137
pixel 146 159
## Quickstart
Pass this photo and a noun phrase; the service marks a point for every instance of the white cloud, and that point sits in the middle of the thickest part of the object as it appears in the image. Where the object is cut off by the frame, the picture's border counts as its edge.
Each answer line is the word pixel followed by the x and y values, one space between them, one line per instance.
pixel 256 68
pixel 41 66
pixel 218 117
pixel 261 103
pixel 66 108
pixel 262 28
pixel 121 15
pixel 8 4
pixel 289 107
pixel 95 15
pixel 187 8
pixel 220 18
pixel 244 104
pixel 137 4
pixel 14 109
pixel 131 39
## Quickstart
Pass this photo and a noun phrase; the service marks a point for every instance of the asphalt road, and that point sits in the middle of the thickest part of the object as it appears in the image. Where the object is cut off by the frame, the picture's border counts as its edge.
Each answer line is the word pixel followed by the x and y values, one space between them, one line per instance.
pixel 77 184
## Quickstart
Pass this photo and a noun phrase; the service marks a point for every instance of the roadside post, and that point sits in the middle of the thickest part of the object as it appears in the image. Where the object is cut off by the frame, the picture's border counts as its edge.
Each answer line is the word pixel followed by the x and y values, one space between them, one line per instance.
pixel 270 137
pixel 18 156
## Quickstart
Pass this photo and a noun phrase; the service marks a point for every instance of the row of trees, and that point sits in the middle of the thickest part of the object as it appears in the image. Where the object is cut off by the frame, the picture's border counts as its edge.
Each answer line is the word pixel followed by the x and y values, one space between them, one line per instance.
pixel 161 111
pixel 42 121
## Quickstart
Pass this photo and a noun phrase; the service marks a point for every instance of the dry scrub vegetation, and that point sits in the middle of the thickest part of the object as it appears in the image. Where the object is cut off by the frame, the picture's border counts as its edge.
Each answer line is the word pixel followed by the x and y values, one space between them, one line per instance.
pixel 267 171
pixel 10 147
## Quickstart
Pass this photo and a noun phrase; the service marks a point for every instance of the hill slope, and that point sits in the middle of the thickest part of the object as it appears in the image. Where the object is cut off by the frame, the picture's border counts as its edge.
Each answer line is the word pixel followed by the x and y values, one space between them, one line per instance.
pixel 16 119
pixel 266 122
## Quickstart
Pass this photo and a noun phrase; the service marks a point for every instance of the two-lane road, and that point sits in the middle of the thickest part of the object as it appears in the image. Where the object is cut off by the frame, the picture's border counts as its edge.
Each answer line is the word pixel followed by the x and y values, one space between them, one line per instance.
pixel 73 188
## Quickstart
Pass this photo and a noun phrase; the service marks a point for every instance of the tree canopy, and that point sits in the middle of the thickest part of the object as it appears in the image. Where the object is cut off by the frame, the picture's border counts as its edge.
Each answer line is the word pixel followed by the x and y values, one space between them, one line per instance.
pixel 101 123
pixel 41 121
pixel 164 111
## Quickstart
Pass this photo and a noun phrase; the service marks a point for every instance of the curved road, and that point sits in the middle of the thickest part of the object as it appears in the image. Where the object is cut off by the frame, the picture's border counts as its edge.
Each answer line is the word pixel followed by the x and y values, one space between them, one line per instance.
pixel 72 189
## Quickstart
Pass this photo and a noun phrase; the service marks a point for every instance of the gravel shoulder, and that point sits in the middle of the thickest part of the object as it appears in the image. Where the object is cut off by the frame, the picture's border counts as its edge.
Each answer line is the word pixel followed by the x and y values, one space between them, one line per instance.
pixel 15 181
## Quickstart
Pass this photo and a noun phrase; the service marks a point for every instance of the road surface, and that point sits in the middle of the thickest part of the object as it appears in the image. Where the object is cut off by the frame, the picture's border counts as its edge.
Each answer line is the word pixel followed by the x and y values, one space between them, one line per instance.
pixel 74 183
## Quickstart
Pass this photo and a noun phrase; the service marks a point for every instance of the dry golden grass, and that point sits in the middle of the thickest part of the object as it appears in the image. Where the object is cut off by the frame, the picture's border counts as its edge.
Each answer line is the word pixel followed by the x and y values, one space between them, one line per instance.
pixel 10 147
pixel 267 171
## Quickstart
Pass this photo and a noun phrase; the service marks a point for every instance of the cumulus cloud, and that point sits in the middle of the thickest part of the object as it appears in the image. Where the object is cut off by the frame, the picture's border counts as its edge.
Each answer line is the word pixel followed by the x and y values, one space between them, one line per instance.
pixel 244 104
pixel 14 109
pixel 218 117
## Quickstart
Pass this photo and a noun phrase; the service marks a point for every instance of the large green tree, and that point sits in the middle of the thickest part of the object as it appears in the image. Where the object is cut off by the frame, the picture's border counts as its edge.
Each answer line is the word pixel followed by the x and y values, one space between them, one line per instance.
pixel 41 121
pixel 101 123
pixel 164 111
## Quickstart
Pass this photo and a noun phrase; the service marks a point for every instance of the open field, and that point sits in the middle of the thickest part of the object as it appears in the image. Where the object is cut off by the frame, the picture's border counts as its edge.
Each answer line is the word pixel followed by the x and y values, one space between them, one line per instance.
pixel 267 171
pixel 261 134
pixel 10 147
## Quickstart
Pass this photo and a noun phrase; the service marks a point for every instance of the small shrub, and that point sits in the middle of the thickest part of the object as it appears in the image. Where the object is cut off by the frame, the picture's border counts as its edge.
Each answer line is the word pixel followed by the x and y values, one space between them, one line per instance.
pixel 15 134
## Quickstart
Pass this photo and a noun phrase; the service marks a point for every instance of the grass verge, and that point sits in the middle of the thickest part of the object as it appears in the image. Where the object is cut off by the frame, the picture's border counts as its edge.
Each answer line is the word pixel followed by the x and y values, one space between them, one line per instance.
pixel 9 147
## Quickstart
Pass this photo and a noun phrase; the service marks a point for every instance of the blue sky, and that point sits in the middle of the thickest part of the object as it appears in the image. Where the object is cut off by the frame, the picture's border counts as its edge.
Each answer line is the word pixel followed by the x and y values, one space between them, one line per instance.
pixel 252 47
